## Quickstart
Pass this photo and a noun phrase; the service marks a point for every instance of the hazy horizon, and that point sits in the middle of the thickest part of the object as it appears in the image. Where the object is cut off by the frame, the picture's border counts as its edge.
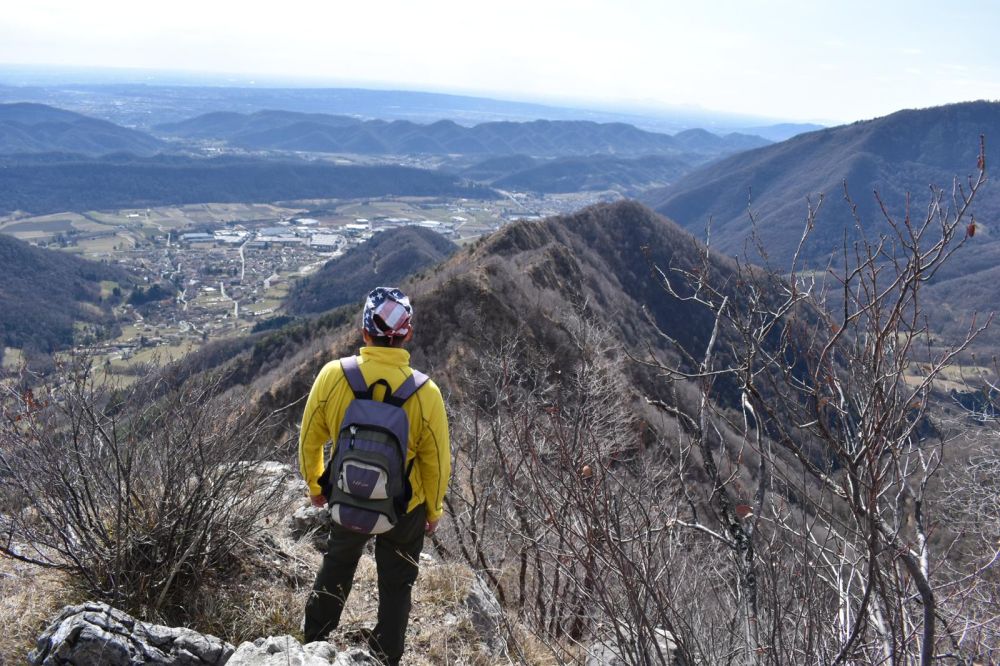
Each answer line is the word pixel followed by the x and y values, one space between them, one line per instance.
pixel 19 75
pixel 777 60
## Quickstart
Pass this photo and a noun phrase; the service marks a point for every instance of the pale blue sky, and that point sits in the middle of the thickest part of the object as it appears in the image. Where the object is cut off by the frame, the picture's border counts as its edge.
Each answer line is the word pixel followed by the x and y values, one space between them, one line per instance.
pixel 818 61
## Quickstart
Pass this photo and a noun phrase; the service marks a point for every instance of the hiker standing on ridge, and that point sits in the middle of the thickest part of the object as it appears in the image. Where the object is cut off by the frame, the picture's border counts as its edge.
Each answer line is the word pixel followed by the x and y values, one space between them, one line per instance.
pixel 387 474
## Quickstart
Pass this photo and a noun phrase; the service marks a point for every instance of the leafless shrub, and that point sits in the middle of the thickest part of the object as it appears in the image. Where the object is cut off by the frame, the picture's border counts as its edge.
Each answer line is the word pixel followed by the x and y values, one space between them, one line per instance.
pixel 832 559
pixel 142 494
pixel 558 503
pixel 801 526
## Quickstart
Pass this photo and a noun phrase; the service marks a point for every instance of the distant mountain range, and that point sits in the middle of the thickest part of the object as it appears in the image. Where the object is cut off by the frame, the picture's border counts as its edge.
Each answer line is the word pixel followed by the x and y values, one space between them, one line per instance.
pixel 36 128
pixel 44 294
pixel 283 130
pixel 905 152
pixel 388 258
pixel 54 183
pixel 139 98
pixel 56 160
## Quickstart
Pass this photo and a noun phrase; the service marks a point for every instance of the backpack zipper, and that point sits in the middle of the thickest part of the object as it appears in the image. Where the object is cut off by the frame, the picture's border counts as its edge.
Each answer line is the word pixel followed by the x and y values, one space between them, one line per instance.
pixel 354 432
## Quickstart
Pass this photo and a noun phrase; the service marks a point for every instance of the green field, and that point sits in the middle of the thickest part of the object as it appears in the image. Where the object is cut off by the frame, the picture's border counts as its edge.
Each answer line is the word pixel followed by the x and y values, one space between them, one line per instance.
pixel 12 358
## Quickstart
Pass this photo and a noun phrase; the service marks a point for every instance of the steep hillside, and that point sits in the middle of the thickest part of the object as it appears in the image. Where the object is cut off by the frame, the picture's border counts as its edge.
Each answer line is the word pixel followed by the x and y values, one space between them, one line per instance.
pixel 386 259
pixel 282 130
pixel 37 128
pixel 904 152
pixel 54 183
pixel 44 293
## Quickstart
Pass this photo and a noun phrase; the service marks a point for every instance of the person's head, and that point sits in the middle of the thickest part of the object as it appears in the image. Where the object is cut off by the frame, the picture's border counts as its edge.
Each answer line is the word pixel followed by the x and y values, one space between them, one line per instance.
pixel 387 318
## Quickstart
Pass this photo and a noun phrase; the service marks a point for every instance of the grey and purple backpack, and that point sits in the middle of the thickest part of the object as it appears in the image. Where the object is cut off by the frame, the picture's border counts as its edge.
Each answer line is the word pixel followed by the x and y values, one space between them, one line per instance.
pixel 367 483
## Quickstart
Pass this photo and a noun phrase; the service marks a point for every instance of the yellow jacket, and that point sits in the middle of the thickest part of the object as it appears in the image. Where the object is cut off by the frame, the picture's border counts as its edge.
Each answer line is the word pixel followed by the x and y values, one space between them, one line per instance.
pixel 428 439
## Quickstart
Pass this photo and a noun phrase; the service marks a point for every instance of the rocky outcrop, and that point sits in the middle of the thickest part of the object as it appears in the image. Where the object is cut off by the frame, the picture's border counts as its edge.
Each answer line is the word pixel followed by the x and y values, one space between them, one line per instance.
pixel 286 651
pixel 95 633
pixel 486 614
pixel 310 522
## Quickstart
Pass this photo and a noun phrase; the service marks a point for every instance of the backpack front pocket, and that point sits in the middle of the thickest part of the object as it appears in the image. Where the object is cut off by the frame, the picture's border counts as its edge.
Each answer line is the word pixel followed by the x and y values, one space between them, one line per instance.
pixel 364 480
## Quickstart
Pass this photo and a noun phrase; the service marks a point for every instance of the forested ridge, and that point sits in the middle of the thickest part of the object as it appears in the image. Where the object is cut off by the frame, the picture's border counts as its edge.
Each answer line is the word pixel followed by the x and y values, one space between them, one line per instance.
pixel 56 183
pixel 43 293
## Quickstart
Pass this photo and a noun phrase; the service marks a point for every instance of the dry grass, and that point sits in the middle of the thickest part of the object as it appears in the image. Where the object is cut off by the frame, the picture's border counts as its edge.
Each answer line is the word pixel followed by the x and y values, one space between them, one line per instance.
pixel 266 598
pixel 29 597
pixel 440 630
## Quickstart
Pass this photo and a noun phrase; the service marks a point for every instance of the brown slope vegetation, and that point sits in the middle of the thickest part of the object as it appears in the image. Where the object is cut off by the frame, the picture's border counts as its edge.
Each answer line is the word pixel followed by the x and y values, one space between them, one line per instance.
pixel 904 153
pixel 538 282
pixel 907 151
pixel 530 280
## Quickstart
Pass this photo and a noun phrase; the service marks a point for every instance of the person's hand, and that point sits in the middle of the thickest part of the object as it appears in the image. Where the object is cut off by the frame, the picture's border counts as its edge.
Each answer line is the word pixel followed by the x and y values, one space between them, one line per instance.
pixel 430 526
pixel 318 501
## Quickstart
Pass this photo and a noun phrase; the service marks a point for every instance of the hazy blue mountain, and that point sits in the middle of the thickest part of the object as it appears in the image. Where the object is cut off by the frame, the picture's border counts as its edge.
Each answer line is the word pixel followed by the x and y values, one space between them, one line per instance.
pixel 781 131
pixel 705 142
pixel 228 124
pixel 629 176
pixel 497 167
pixel 145 98
pixel 278 130
pixel 37 128
pixel 905 152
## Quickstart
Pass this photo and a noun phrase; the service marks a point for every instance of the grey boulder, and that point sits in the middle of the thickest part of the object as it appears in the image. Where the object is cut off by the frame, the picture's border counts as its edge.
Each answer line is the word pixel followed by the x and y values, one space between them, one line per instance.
pixel 312 522
pixel 486 614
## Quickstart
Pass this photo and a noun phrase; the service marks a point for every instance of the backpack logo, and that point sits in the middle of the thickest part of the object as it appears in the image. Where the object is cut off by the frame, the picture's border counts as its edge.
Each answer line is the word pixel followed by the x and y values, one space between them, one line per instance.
pixel 367 482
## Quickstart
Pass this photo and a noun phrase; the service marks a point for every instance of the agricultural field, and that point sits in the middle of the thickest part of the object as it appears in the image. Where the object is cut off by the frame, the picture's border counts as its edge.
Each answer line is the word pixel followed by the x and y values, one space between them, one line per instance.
pixel 98 234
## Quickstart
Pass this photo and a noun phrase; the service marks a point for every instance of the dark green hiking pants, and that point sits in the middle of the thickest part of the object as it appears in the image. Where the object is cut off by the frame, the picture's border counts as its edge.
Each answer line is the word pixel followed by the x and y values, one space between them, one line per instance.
pixel 397 553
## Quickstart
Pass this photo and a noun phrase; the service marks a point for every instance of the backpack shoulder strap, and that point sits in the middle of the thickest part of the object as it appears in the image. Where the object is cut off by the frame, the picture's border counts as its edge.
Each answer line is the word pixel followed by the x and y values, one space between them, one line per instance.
pixel 354 377
pixel 408 388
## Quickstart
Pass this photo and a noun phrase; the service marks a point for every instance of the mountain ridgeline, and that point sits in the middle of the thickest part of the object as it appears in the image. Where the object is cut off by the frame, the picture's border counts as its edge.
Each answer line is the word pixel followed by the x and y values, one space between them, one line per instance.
pixel 284 130
pixel 629 175
pixel 53 160
pixel 37 128
pixel 534 282
pixel 905 152
pixel 898 155
pixel 47 296
pixel 387 259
